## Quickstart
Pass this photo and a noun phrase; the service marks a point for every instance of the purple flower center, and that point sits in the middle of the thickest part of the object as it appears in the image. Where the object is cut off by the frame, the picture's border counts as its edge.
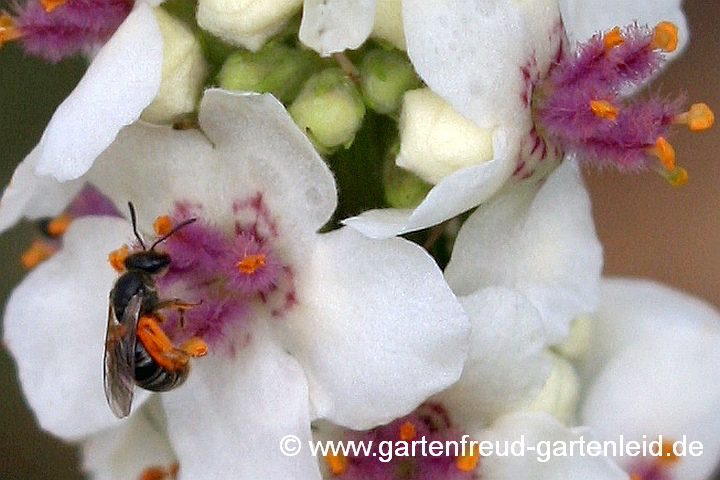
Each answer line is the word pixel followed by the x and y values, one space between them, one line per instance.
pixel 225 273
pixel 421 446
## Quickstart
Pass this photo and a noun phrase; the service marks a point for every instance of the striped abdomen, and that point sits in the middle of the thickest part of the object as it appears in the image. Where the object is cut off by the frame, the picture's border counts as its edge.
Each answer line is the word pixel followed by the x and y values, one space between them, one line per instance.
pixel 151 376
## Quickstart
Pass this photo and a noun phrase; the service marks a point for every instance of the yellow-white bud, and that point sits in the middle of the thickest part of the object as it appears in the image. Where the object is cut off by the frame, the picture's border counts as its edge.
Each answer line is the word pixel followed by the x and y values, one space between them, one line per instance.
pixel 436 140
pixel 389 22
pixel 248 23
pixel 559 396
pixel 184 71
pixel 578 343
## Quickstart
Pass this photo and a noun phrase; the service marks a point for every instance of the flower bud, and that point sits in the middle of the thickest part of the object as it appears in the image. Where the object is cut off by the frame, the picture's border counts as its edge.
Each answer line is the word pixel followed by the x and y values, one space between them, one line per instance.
pixel 276 68
pixel 389 23
pixel 436 140
pixel 403 189
pixel 560 395
pixel 329 109
pixel 184 71
pixel 578 343
pixel 386 76
pixel 248 23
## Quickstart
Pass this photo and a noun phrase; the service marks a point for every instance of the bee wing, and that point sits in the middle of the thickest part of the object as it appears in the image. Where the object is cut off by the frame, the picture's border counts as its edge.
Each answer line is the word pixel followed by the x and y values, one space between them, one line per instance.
pixel 119 373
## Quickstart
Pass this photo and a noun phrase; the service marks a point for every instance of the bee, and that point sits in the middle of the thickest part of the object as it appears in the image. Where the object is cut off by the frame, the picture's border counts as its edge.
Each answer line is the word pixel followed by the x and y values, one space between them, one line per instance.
pixel 137 350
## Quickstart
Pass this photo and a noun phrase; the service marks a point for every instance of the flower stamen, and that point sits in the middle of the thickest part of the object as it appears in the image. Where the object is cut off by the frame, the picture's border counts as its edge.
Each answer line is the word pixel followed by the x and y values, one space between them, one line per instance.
pixel 664 152
pixel 195 347
pixel 407 431
pixel 59 225
pixel 160 473
pixel 38 252
pixel 250 263
pixel 51 5
pixel 613 38
pixel 603 109
pixel 162 225
pixel 467 463
pixel 699 117
pixel 8 31
pixel 664 37
pixel 337 464
pixel 117 258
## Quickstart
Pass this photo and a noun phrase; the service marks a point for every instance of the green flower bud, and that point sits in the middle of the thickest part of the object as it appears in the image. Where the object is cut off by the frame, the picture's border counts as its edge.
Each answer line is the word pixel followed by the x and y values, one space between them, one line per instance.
pixel 386 76
pixel 276 68
pixel 403 189
pixel 329 109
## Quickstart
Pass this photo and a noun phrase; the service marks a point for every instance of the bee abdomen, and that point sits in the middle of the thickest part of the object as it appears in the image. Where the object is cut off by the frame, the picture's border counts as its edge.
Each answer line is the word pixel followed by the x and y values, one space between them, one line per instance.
pixel 151 376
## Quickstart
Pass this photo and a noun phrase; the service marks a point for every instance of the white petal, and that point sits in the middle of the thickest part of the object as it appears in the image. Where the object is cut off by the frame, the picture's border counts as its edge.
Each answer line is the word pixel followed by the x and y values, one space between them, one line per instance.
pixel 456 193
pixel 228 419
pixel 256 148
pixel 541 431
pixel 55 325
pixel 389 23
pixel 633 309
pixel 542 244
pixel 377 330
pixel 472 53
pixel 31 195
pixel 668 384
pixel 584 18
pixel 124 452
pixel 330 26
pixel 507 365
pixel 121 81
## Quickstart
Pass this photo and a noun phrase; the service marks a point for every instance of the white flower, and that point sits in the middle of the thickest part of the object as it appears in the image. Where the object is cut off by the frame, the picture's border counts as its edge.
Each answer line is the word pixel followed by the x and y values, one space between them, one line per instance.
pixel 340 326
pixel 654 370
pixel 484 58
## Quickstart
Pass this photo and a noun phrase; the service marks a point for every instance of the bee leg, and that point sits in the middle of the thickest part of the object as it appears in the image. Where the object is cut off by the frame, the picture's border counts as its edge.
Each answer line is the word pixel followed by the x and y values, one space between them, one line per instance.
pixel 195 347
pixel 177 303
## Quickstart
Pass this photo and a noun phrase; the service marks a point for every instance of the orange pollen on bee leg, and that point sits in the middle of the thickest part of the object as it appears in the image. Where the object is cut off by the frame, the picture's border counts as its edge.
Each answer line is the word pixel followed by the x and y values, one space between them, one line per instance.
pixel 613 38
pixel 162 225
pixel 59 224
pixel 51 5
pixel 117 258
pixel 665 152
pixel 604 109
pixel 159 346
pixel 38 252
pixel 407 431
pixel 338 464
pixel 250 263
pixel 699 117
pixel 8 31
pixel 195 347
pixel 467 463
pixel 664 37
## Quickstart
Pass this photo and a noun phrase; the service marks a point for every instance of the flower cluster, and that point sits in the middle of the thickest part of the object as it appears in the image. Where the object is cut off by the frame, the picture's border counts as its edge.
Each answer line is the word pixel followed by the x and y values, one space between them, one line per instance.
pixel 219 203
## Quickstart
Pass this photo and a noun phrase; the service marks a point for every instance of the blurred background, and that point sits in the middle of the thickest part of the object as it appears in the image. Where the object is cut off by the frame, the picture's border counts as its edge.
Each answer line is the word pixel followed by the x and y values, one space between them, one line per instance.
pixel 648 228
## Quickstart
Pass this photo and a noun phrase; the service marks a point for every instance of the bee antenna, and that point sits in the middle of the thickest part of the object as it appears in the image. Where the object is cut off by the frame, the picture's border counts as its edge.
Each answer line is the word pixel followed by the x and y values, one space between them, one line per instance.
pixel 165 237
pixel 133 217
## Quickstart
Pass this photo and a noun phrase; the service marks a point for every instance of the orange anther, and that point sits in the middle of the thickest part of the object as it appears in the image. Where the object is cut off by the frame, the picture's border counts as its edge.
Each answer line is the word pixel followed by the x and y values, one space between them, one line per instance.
pixel 117 258
pixel 38 252
pixel 407 431
pixel 195 347
pixel 613 38
pixel 162 225
pixel 636 476
pixel 250 263
pixel 59 224
pixel 153 473
pixel 51 5
pixel 604 109
pixel 667 454
pixel 467 463
pixel 337 463
pixel 665 152
pixel 664 37
pixel 8 31
pixel 698 118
